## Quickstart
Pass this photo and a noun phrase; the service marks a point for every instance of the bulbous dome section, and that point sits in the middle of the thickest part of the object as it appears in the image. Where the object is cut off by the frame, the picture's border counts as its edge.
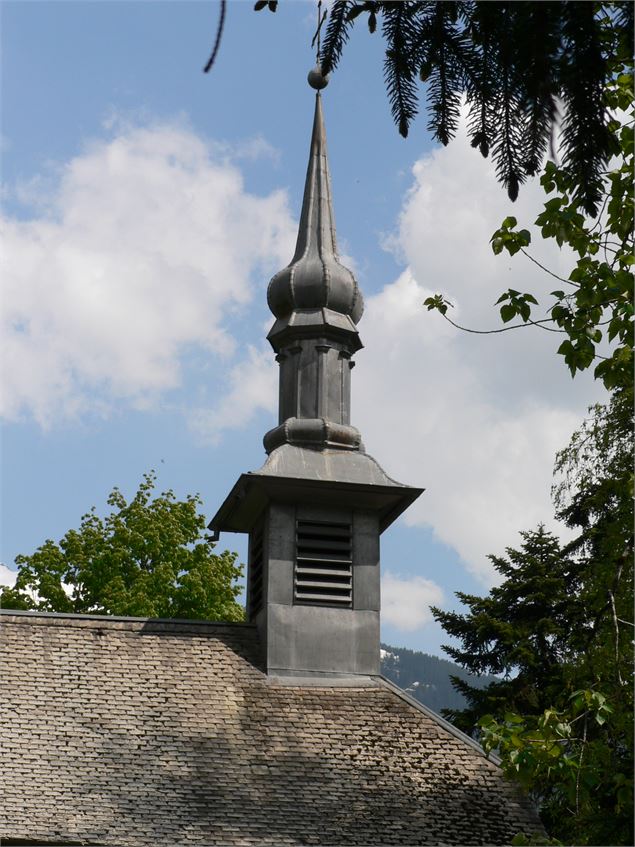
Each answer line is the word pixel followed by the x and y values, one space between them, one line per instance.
pixel 312 283
pixel 315 277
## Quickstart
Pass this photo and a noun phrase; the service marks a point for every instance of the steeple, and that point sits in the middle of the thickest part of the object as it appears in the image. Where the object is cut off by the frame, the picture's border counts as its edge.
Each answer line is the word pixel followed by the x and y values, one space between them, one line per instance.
pixel 315 279
pixel 317 507
pixel 317 304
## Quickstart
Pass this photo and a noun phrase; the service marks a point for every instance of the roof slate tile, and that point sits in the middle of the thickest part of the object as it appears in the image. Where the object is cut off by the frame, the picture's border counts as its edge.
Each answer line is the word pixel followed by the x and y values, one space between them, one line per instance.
pixel 136 733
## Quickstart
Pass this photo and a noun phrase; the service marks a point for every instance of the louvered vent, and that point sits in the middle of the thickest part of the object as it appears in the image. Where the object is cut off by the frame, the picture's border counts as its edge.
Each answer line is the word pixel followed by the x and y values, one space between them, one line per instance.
pixel 324 565
pixel 255 572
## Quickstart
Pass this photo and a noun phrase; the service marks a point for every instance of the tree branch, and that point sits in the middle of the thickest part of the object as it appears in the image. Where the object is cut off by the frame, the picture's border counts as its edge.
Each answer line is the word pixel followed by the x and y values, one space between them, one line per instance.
pixel 539 324
pixel 546 270
pixel 219 35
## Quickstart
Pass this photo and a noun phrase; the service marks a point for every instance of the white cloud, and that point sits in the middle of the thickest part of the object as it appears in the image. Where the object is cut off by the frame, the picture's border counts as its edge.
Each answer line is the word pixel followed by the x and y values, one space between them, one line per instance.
pixel 405 601
pixel 145 246
pixel 475 419
pixel 7 576
pixel 149 245
pixel 251 386
pixel 444 423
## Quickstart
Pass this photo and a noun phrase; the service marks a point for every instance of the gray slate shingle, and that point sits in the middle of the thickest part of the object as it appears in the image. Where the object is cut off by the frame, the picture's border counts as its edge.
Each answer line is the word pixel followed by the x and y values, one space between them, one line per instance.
pixel 135 733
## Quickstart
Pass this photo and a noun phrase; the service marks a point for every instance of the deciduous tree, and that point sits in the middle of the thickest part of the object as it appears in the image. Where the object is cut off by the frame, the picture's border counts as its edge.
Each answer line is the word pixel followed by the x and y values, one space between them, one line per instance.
pixel 150 557
pixel 592 309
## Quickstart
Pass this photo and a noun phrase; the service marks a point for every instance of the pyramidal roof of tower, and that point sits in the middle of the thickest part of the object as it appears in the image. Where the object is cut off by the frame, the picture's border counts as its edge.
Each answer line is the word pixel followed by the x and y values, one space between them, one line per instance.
pixel 315 278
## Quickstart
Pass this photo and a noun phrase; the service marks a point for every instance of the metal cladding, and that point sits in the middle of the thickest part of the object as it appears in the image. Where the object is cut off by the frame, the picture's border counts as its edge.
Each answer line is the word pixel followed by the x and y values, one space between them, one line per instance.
pixel 317 507
pixel 315 455
pixel 317 304
pixel 315 283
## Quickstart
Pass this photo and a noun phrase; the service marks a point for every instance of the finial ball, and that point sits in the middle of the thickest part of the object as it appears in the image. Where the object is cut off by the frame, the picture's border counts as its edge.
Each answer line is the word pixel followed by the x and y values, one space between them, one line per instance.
pixel 316 79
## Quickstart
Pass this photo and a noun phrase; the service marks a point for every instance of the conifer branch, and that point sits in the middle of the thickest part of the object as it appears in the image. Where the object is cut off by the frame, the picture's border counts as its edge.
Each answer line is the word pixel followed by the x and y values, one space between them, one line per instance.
pixel 336 36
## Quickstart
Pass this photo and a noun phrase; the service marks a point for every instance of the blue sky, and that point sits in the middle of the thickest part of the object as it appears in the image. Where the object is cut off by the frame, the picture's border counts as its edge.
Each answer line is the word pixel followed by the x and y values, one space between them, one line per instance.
pixel 145 207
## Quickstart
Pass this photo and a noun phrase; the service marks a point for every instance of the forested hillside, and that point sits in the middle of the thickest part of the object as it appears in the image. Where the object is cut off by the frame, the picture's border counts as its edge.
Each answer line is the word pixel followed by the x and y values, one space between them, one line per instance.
pixel 427 678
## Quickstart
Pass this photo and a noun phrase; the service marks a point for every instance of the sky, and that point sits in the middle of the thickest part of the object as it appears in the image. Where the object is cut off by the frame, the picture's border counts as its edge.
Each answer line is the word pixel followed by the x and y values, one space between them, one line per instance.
pixel 146 205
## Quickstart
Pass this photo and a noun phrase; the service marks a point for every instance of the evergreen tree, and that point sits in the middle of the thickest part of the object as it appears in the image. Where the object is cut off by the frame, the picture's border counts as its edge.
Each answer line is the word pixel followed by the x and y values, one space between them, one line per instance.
pixel 519 631
pixel 559 630
pixel 515 62
pixel 594 306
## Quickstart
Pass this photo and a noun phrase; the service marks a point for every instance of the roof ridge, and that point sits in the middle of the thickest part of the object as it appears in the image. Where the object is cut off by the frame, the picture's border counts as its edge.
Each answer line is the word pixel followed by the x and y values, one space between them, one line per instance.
pixel 106 619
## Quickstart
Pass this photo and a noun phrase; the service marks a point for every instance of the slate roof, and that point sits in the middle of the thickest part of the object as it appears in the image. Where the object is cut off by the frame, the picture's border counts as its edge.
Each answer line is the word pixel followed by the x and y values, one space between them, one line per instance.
pixel 143 732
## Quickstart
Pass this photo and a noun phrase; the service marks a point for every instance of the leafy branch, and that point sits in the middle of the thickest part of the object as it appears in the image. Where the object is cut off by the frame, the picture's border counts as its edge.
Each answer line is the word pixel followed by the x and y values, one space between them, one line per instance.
pixel 602 278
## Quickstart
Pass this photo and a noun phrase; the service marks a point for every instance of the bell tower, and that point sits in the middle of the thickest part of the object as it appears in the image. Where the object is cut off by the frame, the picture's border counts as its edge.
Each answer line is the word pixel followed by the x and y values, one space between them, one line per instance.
pixel 315 510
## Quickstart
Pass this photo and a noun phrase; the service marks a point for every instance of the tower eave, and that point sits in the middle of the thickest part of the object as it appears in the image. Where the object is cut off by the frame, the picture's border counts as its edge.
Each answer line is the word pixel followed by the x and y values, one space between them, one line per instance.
pixel 322 477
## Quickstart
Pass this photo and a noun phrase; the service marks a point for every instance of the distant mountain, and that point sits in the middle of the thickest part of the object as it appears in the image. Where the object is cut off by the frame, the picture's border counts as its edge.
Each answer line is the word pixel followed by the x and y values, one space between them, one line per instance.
pixel 427 678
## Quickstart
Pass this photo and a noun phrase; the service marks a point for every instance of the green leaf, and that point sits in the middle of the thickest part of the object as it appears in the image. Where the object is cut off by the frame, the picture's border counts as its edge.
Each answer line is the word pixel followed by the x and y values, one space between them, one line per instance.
pixel 507 312
pixel 138 561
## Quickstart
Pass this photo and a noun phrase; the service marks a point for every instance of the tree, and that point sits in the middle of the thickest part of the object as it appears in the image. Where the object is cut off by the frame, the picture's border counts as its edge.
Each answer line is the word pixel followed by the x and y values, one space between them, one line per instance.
pixel 594 495
pixel 519 631
pixel 149 558
pixel 527 69
pixel 559 630
pixel 595 307
pixel 599 289
pixel 514 62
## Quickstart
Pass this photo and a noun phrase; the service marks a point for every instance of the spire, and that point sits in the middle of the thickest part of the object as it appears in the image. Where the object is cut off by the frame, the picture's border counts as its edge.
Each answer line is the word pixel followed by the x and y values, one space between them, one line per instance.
pixel 315 278
pixel 316 233
pixel 317 304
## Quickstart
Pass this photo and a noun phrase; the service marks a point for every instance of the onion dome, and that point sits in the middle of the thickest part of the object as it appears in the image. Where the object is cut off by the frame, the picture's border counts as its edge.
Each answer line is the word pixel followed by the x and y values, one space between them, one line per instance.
pixel 315 279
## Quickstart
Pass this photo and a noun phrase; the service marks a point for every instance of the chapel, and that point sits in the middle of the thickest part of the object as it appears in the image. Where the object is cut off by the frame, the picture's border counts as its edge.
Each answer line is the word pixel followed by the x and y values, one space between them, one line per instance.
pixel 128 732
